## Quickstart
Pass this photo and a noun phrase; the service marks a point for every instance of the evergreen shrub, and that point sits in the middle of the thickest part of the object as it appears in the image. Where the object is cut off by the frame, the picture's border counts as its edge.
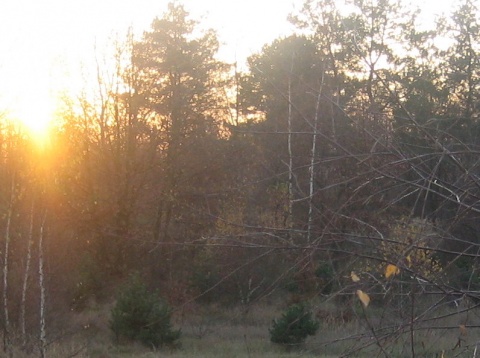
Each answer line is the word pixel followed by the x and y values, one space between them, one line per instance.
pixel 294 326
pixel 140 315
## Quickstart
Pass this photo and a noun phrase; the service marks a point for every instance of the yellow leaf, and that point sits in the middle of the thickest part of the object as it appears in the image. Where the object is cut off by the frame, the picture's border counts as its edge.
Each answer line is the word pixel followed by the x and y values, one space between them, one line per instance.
pixel 463 330
pixel 391 270
pixel 354 277
pixel 363 297
pixel 409 261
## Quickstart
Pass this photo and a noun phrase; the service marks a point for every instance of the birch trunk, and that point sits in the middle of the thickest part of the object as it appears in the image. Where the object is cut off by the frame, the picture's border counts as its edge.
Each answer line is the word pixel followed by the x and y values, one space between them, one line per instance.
pixel 7 348
pixel 312 170
pixel 289 146
pixel 312 163
pixel 41 281
pixel 26 276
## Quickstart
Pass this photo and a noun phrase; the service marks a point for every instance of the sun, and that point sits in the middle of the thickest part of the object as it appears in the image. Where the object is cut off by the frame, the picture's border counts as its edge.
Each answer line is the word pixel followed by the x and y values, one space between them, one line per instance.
pixel 28 96
pixel 34 112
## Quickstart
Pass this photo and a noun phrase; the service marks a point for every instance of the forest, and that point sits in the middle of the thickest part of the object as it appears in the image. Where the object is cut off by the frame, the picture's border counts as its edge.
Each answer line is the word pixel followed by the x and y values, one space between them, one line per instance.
pixel 334 179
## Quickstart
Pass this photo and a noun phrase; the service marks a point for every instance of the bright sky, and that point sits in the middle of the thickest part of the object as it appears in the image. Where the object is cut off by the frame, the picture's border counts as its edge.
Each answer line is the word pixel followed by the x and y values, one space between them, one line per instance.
pixel 46 43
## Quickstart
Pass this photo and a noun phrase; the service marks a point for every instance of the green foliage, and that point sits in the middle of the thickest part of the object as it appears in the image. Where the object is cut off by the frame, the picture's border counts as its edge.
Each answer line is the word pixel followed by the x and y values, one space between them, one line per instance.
pixel 295 325
pixel 141 315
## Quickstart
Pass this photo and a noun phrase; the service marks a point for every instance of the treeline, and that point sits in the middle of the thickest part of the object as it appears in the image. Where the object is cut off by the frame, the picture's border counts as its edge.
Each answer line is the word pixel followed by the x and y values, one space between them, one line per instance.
pixel 347 147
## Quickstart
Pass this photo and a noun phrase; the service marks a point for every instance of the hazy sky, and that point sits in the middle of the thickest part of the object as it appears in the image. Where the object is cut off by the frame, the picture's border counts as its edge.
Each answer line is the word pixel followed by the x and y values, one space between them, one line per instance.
pixel 47 45
pixel 40 32
pixel 45 42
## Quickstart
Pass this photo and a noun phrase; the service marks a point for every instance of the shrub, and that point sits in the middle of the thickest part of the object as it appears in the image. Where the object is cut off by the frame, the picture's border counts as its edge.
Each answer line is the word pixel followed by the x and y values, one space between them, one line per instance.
pixel 140 315
pixel 294 326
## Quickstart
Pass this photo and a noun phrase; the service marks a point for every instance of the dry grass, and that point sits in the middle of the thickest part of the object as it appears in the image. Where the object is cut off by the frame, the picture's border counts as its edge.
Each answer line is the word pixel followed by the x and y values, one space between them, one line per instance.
pixel 217 331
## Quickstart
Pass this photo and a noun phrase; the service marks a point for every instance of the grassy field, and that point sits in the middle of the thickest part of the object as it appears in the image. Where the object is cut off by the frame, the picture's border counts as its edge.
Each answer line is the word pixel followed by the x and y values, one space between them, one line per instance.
pixel 217 331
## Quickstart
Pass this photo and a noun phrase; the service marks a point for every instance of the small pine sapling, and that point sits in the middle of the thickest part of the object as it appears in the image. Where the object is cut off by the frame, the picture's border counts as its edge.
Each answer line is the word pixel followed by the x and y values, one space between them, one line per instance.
pixel 140 315
pixel 295 325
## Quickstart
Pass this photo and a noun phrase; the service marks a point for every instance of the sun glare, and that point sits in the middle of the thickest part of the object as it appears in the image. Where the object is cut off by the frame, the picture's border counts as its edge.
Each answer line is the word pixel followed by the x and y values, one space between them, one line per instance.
pixel 34 114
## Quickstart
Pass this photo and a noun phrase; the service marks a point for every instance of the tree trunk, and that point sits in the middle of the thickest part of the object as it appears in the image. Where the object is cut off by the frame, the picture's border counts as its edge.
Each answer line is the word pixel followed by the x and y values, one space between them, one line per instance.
pixel 7 348
pixel 41 282
pixel 311 168
pixel 289 146
pixel 26 276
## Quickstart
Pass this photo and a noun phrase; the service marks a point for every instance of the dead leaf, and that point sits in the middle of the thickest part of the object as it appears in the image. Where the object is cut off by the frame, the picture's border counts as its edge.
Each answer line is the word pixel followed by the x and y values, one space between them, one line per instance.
pixel 363 297
pixel 463 330
pixel 354 277
pixel 391 270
